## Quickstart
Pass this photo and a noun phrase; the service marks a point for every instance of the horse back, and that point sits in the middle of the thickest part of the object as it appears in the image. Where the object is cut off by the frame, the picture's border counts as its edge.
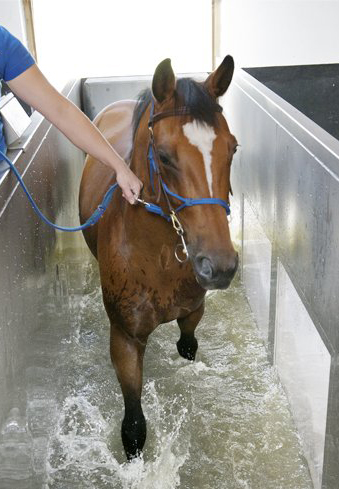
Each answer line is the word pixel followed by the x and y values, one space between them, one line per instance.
pixel 115 123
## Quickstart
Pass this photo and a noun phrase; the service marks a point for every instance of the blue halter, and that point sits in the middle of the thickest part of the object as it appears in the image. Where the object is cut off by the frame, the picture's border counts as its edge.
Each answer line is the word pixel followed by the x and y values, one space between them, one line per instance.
pixel 154 169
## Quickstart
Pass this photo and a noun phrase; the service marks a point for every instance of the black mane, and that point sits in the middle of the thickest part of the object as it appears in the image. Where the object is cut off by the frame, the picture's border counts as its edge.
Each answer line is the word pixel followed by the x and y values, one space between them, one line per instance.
pixel 188 92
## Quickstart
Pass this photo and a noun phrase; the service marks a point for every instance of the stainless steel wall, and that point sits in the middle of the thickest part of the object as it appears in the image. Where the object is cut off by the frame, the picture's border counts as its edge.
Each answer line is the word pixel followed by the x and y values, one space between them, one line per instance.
pixel 97 93
pixel 52 168
pixel 100 92
pixel 287 170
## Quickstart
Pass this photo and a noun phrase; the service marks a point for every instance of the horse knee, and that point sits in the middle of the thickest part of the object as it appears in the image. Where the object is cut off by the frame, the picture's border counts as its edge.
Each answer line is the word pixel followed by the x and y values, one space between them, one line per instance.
pixel 133 432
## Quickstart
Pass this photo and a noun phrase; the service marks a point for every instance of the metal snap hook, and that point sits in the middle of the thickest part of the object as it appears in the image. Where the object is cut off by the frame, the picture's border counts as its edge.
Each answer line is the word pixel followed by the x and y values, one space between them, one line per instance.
pixel 176 223
pixel 184 252
pixel 142 201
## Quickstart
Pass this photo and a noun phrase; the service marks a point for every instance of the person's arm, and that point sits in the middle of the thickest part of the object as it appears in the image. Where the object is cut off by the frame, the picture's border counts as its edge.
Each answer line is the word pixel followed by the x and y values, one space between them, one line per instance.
pixel 32 87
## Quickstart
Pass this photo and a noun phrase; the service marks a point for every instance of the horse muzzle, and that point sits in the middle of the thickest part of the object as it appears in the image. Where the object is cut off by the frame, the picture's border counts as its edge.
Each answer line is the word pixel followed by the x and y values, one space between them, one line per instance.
pixel 213 273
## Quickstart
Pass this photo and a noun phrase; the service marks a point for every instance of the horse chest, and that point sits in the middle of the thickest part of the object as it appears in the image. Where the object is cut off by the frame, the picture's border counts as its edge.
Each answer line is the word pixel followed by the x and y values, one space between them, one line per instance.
pixel 175 298
pixel 152 296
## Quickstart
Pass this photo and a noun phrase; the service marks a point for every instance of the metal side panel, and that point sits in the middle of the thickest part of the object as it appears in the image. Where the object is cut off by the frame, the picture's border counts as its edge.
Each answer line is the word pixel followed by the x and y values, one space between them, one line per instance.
pixel 248 125
pixel 100 92
pixel 307 196
pixel 52 167
pixel 303 363
pixel 97 93
pixel 287 168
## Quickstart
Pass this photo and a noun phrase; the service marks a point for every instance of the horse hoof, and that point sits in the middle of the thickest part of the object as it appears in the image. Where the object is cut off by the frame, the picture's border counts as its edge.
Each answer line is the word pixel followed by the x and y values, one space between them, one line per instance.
pixel 133 456
pixel 133 433
pixel 187 348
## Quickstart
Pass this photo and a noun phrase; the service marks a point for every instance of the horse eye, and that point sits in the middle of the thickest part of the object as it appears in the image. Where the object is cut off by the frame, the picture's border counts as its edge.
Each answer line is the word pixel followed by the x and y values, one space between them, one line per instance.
pixel 235 149
pixel 164 159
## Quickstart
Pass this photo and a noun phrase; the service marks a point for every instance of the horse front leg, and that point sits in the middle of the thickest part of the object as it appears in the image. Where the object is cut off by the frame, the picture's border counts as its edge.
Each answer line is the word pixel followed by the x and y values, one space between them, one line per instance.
pixel 187 345
pixel 127 357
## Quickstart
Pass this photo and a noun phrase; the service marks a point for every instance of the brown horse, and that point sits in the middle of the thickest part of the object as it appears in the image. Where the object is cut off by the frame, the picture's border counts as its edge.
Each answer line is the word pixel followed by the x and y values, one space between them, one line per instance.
pixel 143 283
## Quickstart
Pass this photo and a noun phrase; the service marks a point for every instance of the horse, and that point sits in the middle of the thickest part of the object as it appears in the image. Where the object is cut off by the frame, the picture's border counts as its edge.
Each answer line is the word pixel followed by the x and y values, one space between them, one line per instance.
pixel 155 262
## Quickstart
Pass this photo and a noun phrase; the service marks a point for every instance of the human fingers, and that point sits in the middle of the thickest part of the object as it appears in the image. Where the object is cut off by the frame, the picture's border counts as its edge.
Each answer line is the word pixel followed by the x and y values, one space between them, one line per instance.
pixel 135 189
pixel 130 185
pixel 131 195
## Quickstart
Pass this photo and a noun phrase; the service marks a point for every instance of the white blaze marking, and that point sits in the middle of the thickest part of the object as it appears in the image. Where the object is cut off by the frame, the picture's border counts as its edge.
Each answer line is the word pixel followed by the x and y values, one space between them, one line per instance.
pixel 202 136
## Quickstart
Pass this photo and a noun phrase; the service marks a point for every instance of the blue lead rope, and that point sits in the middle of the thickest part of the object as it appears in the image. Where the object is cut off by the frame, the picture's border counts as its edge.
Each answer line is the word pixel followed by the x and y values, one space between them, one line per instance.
pixel 90 221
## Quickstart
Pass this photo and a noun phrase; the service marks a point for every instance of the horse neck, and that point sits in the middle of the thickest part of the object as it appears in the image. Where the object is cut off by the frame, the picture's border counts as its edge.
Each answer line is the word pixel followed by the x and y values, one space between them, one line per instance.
pixel 161 231
pixel 139 159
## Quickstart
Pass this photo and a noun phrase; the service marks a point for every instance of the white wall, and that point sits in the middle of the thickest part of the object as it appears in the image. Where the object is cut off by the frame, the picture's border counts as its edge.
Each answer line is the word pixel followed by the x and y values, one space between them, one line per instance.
pixel 12 17
pixel 279 32
pixel 81 38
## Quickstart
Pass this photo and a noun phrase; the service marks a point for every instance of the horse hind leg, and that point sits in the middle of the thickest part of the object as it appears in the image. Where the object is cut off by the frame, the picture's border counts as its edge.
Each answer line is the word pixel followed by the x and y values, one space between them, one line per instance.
pixel 187 345
pixel 127 357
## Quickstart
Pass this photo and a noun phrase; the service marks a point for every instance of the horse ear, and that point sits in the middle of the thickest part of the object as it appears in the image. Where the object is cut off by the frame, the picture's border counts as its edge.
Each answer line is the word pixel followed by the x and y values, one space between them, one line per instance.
pixel 218 82
pixel 163 83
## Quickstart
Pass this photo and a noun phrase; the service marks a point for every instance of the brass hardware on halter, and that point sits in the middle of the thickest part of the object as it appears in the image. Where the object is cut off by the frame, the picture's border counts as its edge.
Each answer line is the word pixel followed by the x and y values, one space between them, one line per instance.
pixel 176 223
pixel 180 231
pixel 184 251
pixel 142 201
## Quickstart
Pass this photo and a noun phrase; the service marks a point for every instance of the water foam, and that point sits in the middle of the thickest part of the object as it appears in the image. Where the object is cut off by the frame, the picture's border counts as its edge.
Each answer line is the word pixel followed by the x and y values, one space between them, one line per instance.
pixel 80 447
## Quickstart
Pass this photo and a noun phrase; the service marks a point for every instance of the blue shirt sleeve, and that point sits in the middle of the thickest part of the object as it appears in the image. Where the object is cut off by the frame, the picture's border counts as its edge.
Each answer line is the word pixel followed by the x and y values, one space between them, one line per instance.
pixel 14 57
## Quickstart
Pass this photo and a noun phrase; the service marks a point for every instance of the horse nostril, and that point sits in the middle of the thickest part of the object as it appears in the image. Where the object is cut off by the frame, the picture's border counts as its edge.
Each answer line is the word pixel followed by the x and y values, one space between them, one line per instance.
pixel 204 267
pixel 217 272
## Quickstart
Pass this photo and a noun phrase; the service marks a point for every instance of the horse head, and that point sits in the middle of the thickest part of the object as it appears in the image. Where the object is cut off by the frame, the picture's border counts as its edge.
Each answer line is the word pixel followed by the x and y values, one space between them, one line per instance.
pixel 193 149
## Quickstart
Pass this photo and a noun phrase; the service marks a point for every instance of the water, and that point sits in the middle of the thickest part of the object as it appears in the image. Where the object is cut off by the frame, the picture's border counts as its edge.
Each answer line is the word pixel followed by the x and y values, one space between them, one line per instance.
pixel 15 446
pixel 220 422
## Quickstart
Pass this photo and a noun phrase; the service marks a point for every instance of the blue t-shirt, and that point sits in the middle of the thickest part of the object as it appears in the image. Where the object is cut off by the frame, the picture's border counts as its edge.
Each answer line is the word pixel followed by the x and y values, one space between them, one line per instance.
pixel 14 60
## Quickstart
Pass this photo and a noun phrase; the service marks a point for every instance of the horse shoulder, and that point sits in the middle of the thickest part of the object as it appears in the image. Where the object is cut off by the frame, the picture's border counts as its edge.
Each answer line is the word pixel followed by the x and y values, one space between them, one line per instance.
pixel 115 123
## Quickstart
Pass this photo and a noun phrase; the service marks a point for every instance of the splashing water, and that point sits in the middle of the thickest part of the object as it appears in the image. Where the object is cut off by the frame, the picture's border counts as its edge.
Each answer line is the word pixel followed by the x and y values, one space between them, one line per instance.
pixel 220 422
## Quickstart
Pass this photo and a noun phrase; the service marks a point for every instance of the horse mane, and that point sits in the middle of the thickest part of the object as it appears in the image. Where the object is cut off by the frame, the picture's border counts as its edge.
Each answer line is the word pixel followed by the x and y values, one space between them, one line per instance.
pixel 189 93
